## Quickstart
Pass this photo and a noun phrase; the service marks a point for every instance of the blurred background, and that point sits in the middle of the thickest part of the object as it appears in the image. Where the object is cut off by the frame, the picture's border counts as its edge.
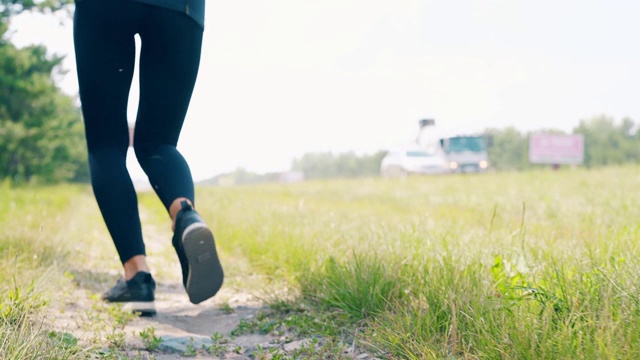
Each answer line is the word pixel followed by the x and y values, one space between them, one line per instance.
pixel 296 89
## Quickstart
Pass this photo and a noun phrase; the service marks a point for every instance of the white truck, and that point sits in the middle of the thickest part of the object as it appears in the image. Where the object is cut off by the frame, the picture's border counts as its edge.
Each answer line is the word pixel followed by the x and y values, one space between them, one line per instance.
pixel 466 153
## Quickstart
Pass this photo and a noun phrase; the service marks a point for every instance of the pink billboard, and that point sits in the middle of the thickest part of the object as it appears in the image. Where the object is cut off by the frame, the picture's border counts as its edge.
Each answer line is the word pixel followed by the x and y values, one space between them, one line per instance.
pixel 556 149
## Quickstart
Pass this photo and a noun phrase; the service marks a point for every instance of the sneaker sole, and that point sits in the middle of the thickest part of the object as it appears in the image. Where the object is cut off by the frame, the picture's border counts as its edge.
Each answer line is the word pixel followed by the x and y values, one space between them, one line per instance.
pixel 205 271
pixel 144 308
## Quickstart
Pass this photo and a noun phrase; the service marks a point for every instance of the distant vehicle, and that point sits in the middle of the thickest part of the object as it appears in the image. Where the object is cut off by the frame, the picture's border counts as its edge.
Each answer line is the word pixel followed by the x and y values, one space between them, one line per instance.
pixel 466 153
pixel 428 136
pixel 413 161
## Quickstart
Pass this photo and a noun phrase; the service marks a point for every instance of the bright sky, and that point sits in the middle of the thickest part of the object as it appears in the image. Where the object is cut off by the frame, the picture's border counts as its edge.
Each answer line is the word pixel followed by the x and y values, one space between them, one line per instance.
pixel 283 77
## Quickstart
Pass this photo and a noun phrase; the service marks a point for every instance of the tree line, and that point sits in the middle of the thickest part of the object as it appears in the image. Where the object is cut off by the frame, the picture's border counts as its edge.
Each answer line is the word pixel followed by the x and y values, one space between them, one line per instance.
pixel 606 142
pixel 41 130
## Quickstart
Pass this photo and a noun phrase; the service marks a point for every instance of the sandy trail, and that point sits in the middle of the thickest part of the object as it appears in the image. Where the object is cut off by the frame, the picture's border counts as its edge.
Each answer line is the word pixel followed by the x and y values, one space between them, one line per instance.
pixel 204 331
pixel 183 327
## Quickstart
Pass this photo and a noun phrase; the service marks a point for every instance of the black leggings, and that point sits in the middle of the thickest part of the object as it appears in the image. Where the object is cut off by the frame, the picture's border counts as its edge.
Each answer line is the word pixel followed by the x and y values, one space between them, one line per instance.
pixel 105 58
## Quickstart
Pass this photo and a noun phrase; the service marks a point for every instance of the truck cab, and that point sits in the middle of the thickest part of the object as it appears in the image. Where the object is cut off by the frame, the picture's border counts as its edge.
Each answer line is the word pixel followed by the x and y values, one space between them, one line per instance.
pixel 466 153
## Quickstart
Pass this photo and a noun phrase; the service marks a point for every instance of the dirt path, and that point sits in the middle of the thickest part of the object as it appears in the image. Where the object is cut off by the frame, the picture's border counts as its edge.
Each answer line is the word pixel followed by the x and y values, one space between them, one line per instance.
pixel 211 330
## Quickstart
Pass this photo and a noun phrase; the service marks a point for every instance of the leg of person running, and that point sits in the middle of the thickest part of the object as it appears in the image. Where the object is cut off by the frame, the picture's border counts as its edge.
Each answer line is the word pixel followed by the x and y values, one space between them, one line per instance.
pixel 105 58
pixel 169 62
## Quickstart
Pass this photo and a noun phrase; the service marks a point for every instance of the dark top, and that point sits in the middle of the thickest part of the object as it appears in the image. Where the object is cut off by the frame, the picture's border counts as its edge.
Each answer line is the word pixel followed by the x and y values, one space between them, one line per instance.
pixel 193 8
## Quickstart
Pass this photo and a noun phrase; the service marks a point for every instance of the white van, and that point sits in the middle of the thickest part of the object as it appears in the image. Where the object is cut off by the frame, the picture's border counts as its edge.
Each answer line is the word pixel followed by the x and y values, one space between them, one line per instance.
pixel 410 160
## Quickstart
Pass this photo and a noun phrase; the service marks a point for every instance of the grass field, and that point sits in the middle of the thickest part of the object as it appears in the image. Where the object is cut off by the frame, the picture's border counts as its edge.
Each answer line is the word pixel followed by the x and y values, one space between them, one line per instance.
pixel 532 265
pixel 33 254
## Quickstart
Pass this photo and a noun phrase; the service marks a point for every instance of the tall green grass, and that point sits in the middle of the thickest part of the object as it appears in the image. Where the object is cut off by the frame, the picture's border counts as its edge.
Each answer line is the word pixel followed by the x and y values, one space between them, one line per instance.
pixel 532 265
pixel 32 251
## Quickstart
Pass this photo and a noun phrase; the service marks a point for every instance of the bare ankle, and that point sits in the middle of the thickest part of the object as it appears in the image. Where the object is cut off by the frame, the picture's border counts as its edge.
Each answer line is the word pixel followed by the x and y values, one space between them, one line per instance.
pixel 134 265
pixel 175 207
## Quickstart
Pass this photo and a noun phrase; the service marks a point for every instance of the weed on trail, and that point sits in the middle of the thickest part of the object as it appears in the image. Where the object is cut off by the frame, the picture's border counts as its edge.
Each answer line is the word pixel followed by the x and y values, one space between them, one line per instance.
pixel 24 335
pixel 149 338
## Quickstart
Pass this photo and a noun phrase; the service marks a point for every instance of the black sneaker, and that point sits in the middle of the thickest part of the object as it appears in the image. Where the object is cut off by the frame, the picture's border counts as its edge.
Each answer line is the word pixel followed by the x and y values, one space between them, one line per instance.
pixel 202 274
pixel 135 295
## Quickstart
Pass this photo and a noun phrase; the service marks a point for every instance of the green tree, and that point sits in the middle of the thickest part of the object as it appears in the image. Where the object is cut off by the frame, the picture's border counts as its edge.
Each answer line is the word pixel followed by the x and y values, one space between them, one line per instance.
pixel 330 165
pixel 509 149
pixel 9 8
pixel 41 132
pixel 608 143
